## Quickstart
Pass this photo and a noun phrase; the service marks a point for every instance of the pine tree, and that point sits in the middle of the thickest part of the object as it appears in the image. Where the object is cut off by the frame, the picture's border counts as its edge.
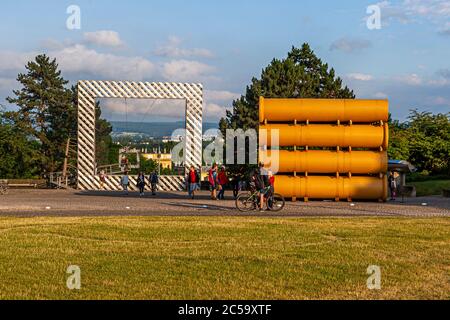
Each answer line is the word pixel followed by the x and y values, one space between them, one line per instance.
pixel 46 110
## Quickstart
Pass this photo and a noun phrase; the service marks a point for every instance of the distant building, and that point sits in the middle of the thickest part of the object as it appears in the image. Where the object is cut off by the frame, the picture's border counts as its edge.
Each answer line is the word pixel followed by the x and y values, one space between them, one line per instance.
pixel 164 159
pixel 172 139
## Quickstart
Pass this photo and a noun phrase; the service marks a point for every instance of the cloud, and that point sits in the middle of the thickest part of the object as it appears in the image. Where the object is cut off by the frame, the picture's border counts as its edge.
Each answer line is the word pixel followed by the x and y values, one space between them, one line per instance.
pixel 412 11
pixel 349 45
pixel 104 38
pixel 79 60
pixel 359 76
pixel 410 79
pixel 187 70
pixel 380 95
pixel 214 95
pixel 172 50
pixel 213 112
pixel 12 62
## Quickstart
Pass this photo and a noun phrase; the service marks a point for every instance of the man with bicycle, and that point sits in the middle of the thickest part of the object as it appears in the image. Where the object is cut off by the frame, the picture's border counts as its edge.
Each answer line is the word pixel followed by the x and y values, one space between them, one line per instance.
pixel 261 181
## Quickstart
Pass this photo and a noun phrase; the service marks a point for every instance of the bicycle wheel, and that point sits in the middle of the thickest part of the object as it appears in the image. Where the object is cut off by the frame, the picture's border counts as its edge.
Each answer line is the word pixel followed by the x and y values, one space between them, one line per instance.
pixel 276 202
pixel 245 202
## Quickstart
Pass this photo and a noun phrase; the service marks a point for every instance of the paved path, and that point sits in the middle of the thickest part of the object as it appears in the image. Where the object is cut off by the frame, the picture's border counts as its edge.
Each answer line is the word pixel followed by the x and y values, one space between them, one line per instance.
pixel 78 203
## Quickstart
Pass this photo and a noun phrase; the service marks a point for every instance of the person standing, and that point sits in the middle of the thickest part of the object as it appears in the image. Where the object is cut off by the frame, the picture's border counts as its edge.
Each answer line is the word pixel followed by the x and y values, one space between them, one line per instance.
pixel 125 181
pixel 392 186
pixel 102 179
pixel 141 183
pixel 213 183
pixel 261 182
pixel 223 181
pixel 154 180
pixel 193 180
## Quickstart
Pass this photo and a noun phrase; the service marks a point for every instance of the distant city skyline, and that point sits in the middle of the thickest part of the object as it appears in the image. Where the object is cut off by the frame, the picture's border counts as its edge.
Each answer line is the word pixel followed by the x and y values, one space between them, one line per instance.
pixel 223 44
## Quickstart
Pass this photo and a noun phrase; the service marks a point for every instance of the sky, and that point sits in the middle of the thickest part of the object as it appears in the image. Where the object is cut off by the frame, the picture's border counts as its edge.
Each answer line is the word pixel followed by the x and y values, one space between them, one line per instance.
pixel 223 44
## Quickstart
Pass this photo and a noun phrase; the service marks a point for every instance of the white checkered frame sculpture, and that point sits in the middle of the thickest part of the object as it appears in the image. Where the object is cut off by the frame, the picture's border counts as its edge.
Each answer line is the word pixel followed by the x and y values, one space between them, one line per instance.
pixel 89 91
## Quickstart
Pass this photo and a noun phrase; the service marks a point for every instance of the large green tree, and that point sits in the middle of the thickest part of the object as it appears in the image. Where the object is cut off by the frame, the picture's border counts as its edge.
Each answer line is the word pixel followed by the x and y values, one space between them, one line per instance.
pixel 18 154
pixel 46 110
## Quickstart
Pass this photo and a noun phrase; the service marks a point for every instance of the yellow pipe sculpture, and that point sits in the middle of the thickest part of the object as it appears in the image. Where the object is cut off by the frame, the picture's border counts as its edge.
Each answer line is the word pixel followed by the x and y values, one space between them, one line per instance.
pixel 325 135
pixel 323 110
pixel 358 162
pixel 327 187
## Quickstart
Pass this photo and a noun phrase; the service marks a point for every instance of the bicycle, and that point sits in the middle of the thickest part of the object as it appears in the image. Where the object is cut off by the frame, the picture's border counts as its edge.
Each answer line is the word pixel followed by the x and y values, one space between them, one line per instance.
pixel 250 201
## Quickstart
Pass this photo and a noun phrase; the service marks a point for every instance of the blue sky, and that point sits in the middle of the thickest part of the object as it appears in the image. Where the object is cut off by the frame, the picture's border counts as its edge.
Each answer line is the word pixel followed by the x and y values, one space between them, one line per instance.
pixel 223 44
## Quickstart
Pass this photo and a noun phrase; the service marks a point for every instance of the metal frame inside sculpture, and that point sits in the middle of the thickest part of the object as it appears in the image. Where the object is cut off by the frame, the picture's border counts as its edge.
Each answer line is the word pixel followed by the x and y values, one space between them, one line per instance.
pixel 89 91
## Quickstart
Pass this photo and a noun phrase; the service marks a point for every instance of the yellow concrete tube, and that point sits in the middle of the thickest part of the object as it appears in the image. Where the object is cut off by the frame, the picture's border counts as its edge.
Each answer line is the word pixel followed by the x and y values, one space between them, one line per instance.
pixel 325 135
pixel 312 161
pixel 322 187
pixel 323 110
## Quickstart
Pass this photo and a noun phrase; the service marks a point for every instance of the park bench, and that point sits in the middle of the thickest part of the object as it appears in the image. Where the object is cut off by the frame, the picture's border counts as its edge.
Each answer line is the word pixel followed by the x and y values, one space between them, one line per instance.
pixel 26 183
pixel 407 192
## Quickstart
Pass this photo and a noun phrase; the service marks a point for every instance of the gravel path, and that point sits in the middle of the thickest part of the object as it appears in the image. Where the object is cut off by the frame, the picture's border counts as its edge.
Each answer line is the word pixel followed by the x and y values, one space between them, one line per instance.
pixel 78 203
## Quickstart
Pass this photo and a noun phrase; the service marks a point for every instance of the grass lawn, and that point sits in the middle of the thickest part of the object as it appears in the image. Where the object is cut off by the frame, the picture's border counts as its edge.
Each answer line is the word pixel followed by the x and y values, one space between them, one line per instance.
pixel 224 257
pixel 430 188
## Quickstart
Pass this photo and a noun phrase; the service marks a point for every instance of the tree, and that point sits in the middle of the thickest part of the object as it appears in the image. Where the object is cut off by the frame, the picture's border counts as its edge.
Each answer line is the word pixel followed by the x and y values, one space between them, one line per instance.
pixel 301 75
pixel 429 141
pixel 18 154
pixel 46 110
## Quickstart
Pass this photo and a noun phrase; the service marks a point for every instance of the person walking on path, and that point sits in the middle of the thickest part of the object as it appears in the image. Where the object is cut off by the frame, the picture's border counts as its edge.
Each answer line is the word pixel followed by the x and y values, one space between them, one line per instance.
pixel 154 180
pixel 125 182
pixel 213 181
pixel 223 181
pixel 193 180
pixel 141 183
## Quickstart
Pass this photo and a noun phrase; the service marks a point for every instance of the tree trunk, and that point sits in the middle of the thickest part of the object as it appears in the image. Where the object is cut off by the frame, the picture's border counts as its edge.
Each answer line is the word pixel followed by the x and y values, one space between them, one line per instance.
pixel 66 158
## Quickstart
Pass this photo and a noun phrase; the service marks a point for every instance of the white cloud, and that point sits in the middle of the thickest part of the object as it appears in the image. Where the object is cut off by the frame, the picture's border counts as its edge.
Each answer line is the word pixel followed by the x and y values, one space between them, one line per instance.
pixel 187 70
pixel 213 112
pixel 214 95
pixel 360 76
pixel 78 59
pixel 411 79
pixel 409 11
pixel 14 61
pixel 380 95
pixel 103 38
pixel 172 49
pixel 349 45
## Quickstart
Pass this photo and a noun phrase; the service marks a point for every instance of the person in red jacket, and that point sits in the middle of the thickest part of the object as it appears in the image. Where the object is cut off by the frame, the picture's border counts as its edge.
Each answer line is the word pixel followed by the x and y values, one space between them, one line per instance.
pixel 223 181
pixel 193 182
pixel 271 182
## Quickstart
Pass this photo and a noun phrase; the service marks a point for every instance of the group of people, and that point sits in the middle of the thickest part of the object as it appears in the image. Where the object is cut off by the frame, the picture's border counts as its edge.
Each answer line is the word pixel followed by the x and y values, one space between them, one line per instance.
pixel 217 178
pixel 218 181
pixel 141 183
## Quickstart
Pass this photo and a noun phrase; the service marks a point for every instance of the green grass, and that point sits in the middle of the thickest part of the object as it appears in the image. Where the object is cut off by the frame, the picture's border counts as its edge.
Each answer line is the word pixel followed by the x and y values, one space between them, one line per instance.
pixel 430 188
pixel 224 257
